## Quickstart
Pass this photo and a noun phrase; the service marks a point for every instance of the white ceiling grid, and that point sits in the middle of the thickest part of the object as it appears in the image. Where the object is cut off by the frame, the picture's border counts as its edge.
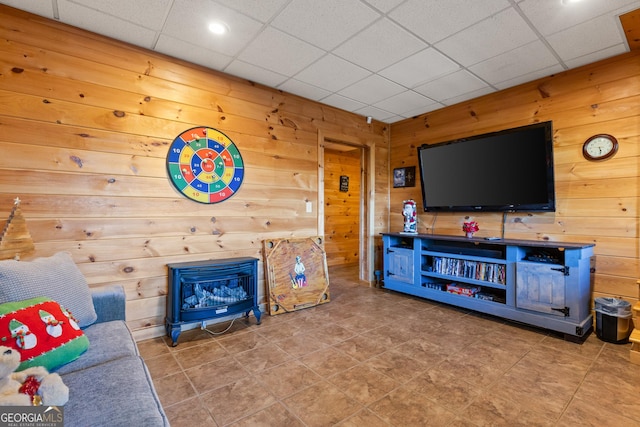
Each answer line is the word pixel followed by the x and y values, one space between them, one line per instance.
pixel 389 59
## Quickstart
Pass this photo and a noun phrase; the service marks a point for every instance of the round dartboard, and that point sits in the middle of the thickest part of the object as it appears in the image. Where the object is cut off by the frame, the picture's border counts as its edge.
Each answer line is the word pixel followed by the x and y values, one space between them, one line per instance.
pixel 205 165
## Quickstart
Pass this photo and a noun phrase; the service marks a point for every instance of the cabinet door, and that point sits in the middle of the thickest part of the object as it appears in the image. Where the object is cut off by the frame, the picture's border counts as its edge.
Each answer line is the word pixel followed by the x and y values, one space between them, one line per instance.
pixel 400 265
pixel 541 288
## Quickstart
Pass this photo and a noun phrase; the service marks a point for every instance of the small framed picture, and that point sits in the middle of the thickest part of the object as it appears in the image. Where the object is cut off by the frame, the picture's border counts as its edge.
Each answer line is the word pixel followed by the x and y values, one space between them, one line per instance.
pixel 404 177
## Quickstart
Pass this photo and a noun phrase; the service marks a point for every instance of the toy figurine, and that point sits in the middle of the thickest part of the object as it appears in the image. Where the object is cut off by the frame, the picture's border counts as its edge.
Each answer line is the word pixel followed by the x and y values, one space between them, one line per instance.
pixel 410 216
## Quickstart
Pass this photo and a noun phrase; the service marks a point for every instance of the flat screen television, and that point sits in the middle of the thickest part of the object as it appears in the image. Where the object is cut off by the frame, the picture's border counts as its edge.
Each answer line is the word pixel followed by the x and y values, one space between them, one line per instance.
pixel 505 171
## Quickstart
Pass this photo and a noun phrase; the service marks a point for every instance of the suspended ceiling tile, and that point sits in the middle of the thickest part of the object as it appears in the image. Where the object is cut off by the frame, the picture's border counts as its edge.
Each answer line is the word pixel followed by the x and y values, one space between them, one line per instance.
pixel 196 54
pixel 342 102
pixel 451 85
pixel 262 10
pixel 332 73
pixel 102 23
pixel 594 35
pixel 280 52
pixel 403 102
pixel 467 96
pixel 596 56
pixel 379 46
pixel 303 89
pixel 552 16
pixel 254 73
pixel 524 78
pixel 376 113
pixel 493 36
pixel 39 7
pixel 146 13
pixel 372 89
pixel 384 5
pixel 189 20
pixel 328 23
pixel 434 20
pixel 520 61
pixel 419 68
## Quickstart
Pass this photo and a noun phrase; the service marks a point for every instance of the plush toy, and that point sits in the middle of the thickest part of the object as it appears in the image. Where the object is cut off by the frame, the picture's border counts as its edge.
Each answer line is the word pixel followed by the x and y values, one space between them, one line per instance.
pixel 33 386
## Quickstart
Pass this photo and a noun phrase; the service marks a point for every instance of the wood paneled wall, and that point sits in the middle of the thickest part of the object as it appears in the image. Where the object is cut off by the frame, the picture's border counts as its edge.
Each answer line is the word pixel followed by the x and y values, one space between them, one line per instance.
pixel 342 209
pixel 597 202
pixel 85 125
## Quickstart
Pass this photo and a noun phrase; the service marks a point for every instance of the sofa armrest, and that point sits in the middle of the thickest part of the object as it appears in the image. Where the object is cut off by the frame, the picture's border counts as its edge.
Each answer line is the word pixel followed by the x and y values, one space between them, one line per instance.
pixel 109 303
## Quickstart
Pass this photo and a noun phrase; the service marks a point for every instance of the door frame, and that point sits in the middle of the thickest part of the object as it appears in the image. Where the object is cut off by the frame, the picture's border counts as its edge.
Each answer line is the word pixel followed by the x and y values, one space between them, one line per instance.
pixel 367 167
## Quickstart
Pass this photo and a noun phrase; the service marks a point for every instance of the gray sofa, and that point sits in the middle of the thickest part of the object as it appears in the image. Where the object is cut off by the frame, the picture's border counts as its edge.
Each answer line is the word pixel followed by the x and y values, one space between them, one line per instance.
pixel 91 347
pixel 109 385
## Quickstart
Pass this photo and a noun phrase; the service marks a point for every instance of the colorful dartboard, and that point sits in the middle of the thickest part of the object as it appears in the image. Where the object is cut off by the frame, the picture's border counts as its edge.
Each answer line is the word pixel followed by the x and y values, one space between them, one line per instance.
pixel 205 165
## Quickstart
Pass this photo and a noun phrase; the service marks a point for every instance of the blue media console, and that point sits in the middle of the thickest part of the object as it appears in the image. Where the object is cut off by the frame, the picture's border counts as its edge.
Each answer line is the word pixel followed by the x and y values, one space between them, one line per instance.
pixel 540 283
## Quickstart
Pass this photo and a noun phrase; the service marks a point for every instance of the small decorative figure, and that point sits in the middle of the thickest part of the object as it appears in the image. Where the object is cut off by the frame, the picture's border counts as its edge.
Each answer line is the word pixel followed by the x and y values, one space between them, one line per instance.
pixel 300 281
pixel 410 216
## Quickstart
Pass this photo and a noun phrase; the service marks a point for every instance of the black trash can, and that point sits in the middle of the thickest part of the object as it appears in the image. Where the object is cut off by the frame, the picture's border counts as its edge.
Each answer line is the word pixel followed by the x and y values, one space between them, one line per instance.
pixel 613 320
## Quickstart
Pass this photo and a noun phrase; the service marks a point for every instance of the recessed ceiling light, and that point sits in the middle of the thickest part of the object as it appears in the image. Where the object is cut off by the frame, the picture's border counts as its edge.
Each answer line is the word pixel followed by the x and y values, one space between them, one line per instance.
pixel 218 28
pixel 570 1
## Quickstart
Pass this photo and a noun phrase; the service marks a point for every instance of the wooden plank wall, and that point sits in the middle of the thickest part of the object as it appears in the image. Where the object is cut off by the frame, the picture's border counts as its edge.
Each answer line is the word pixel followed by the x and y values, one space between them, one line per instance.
pixel 85 125
pixel 597 202
pixel 342 209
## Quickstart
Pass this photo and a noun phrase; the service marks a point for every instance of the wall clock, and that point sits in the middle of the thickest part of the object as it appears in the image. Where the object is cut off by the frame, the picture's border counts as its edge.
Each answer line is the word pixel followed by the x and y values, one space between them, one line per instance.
pixel 600 147
pixel 205 165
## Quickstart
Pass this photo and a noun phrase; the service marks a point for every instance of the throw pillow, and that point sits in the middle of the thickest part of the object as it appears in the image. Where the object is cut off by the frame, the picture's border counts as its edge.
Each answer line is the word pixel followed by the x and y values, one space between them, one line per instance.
pixel 56 277
pixel 42 331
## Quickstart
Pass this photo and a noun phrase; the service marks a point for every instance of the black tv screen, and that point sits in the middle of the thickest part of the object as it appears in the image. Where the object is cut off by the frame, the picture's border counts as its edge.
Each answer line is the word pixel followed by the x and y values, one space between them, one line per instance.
pixel 506 171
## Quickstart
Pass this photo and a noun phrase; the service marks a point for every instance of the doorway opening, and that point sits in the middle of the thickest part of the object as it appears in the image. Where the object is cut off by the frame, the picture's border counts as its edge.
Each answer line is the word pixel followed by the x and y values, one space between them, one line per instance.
pixel 345 218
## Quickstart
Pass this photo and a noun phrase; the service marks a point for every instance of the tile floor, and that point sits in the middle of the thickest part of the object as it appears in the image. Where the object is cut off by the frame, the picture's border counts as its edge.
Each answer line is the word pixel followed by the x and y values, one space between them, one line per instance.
pixel 372 358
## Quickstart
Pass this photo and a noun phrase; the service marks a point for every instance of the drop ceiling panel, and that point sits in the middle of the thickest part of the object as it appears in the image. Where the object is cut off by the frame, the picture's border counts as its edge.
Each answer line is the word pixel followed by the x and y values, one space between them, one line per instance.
pixel 146 13
pixel 280 52
pixel 388 59
pixel 434 20
pixel 380 45
pixel 451 85
pixel 493 36
pixel 420 67
pixel 189 19
pixel 372 89
pixel 523 60
pixel 334 21
pixel 106 24
pixel 332 73
pixel 262 10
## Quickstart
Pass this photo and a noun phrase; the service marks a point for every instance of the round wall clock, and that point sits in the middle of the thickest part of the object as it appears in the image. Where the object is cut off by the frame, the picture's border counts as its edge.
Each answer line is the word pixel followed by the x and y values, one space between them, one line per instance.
pixel 600 147
pixel 205 165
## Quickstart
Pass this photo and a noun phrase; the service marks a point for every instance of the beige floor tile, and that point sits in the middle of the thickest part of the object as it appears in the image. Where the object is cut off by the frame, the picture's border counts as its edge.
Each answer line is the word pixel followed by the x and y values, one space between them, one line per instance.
pixel 363 383
pixel 216 374
pixel 274 415
pixel 397 365
pixel 163 365
pixel 404 407
pixel 363 418
pixel 288 378
pixel 190 413
pixel 191 356
pixel 267 357
pixel 173 389
pixel 237 400
pixel 372 357
pixel 322 404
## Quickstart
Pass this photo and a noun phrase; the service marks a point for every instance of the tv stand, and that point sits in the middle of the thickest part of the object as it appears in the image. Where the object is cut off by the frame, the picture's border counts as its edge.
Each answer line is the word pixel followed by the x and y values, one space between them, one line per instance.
pixel 544 284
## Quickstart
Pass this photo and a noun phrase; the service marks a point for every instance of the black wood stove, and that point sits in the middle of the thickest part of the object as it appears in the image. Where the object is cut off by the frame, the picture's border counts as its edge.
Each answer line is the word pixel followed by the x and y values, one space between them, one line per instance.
pixel 205 290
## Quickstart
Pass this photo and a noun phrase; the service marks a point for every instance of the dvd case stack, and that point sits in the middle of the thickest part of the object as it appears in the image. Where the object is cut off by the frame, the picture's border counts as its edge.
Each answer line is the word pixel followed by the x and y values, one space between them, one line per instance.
pixel 485 271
